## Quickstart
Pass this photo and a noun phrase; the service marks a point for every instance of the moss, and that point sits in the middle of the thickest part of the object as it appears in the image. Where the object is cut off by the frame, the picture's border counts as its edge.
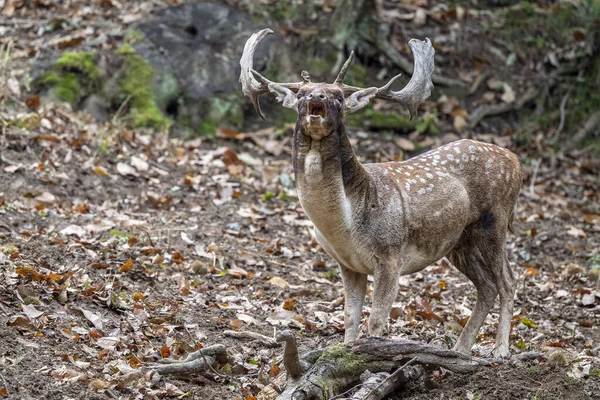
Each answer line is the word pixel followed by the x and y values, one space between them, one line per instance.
pixel 68 88
pixel 82 62
pixel 136 85
pixel 349 362
pixel 221 112
pixel 134 35
pixel 125 49
pixel 73 76
pixel 48 78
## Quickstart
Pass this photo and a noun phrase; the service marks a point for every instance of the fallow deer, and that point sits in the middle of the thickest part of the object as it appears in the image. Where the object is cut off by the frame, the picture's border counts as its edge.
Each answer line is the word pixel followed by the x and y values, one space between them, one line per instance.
pixel 396 218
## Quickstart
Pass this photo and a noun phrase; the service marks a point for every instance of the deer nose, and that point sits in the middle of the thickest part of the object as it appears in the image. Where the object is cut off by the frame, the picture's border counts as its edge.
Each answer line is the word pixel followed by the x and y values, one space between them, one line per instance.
pixel 321 96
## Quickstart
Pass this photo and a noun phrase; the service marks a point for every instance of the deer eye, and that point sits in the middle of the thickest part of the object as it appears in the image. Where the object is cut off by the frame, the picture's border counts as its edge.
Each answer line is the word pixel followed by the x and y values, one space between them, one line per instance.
pixel 299 96
pixel 340 99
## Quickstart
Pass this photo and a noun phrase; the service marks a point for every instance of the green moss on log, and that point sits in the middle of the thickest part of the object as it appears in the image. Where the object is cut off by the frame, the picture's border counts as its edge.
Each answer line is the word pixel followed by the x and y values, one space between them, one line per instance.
pixel 348 362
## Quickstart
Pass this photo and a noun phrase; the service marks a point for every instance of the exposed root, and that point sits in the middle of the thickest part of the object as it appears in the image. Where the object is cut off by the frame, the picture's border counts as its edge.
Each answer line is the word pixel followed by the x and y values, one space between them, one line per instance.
pixel 202 360
pixel 257 337
pixel 484 111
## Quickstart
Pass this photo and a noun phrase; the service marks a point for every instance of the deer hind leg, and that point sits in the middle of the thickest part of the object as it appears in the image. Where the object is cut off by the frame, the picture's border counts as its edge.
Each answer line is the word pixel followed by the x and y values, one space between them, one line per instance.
pixel 355 289
pixel 505 282
pixel 481 256
pixel 469 260
pixel 492 228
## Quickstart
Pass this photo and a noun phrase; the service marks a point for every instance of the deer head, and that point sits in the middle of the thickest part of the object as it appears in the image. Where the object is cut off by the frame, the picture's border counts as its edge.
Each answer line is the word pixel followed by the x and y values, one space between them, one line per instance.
pixel 321 106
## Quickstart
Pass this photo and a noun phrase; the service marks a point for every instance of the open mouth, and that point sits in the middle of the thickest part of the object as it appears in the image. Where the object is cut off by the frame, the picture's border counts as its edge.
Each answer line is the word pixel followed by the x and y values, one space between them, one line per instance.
pixel 316 109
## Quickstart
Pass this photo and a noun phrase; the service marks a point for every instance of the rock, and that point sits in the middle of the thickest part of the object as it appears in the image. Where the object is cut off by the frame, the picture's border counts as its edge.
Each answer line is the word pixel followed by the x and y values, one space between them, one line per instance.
pixel 96 107
pixel 200 44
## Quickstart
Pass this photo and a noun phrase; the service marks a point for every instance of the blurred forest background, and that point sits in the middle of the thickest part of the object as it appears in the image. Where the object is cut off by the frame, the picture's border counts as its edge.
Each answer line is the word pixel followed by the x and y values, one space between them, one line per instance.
pixel 145 210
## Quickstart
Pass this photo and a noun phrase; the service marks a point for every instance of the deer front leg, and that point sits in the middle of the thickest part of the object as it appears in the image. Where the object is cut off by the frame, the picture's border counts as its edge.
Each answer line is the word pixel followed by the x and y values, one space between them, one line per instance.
pixel 384 293
pixel 355 288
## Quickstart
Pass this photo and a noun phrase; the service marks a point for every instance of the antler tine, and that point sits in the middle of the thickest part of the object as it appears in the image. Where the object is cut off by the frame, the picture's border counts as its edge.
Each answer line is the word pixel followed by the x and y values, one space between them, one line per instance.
pixel 419 87
pixel 340 78
pixel 253 83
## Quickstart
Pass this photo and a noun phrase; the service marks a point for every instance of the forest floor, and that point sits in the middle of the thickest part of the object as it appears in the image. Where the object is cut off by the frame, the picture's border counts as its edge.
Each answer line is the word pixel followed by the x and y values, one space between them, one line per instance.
pixel 120 248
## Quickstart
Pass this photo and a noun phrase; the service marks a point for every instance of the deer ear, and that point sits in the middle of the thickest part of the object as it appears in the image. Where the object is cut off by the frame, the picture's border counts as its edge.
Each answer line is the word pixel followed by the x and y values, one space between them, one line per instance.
pixel 284 95
pixel 358 100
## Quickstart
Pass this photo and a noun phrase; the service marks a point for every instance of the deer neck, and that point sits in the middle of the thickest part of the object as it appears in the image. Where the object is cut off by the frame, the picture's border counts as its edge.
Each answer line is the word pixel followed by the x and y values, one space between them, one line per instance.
pixel 329 179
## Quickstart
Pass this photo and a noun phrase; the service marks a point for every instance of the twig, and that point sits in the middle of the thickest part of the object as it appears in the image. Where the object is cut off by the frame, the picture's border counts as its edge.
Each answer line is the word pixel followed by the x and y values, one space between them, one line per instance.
pixel 563 105
pixel 262 339
pixel 536 168
pixel 121 107
pixel 147 235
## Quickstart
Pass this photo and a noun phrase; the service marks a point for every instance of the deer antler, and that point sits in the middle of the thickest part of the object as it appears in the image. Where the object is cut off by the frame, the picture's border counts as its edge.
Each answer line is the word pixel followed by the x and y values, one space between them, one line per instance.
pixel 414 93
pixel 253 83
pixel 418 88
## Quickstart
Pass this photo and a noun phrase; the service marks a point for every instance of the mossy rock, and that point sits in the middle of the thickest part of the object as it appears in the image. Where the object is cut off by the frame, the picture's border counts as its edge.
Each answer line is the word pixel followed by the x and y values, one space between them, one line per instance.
pixel 136 89
pixel 207 116
pixel 73 76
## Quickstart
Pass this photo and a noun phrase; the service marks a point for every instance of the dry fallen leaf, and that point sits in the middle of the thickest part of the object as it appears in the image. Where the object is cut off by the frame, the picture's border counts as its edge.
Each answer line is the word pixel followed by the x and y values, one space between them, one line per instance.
pixel 127 265
pixel 279 282
pixel 125 169
pixel 509 94
pixel 95 319
pixel 100 171
pixel 404 144
pixel 46 198
pixel 286 318
pixel 31 312
pixel 73 230
pixel 139 164
pixel 576 232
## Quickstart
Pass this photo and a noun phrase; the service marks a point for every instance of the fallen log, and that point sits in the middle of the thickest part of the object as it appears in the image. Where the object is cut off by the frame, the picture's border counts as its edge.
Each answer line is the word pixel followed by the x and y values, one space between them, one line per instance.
pixel 342 366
